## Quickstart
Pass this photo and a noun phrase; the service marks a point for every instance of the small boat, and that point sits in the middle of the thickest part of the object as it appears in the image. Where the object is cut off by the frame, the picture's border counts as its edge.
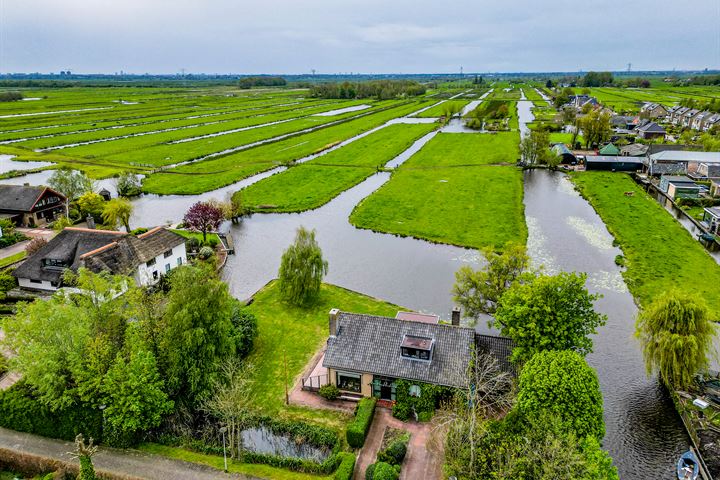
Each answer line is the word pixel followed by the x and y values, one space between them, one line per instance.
pixel 688 467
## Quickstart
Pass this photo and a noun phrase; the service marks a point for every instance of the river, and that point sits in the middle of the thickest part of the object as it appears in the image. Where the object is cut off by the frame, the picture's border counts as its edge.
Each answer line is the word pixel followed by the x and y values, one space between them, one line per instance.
pixel 644 434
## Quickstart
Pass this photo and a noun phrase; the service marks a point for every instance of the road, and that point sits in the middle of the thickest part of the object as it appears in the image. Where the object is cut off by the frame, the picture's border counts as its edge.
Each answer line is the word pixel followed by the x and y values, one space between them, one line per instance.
pixel 130 463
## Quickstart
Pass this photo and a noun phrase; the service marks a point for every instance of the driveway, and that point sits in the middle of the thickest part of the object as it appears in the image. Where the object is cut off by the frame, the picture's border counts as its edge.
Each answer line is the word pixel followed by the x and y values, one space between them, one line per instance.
pixel 13 249
pixel 421 462
pixel 130 463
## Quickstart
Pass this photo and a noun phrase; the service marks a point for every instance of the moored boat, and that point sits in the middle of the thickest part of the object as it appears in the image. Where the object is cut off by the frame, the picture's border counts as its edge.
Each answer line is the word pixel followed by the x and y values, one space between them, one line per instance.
pixel 688 467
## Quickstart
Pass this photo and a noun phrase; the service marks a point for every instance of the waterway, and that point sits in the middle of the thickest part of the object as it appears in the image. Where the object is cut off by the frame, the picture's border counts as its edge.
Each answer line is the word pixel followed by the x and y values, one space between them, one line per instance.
pixel 644 433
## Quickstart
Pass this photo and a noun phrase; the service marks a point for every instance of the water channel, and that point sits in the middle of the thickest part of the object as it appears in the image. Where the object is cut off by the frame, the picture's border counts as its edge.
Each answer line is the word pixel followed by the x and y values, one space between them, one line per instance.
pixel 644 433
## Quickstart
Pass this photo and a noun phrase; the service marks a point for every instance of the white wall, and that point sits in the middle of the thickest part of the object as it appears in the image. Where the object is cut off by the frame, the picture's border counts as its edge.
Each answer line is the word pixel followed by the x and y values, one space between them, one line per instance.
pixel 44 285
pixel 144 274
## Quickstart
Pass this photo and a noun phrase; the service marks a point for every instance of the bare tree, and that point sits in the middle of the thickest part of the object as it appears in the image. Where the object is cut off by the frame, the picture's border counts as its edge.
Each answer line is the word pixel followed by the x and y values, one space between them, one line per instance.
pixel 231 401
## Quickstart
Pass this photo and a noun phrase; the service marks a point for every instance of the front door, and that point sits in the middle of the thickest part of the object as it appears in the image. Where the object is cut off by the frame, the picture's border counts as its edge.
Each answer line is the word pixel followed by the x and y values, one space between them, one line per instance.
pixel 384 388
pixel 385 391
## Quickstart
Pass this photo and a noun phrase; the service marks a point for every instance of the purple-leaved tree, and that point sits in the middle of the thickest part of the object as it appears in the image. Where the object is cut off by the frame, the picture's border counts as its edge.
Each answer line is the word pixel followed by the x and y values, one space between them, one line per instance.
pixel 203 217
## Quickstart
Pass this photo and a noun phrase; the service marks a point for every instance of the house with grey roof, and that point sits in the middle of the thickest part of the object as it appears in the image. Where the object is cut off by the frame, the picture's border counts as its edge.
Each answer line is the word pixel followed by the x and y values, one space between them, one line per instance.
pixel 650 130
pixel 367 354
pixel 144 257
pixel 677 116
pixel 709 121
pixel 679 161
pixel 689 116
pixel 653 110
pixel 29 206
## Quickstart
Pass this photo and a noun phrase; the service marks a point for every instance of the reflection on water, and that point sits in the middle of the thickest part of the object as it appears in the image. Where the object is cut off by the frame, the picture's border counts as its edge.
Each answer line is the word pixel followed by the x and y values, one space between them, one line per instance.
pixel 644 433
pixel 262 440
pixel 7 164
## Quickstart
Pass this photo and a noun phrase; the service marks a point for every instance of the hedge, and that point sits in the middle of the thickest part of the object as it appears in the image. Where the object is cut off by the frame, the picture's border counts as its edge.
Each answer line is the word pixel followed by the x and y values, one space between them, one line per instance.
pixel 346 468
pixel 394 454
pixel 357 430
pixel 23 413
pixel 384 471
pixel 424 405
pixel 293 463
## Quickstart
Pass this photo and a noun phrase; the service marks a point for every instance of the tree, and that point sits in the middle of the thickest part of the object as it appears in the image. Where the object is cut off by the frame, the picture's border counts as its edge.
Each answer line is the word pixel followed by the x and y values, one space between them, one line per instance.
pixel 597 79
pixel 61 223
pixel 133 394
pixel 92 204
pixel 196 332
pixel 244 329
pixel 118 211
pixel 302 268
pixel 128 184
pixel 561 383
pixel 534 146
pixel 203 217
pixel 569 115
pixel 549 313
pixel 596 127
pixel 71 183
pixel 675 333
pixel 478 291
pixel 231 401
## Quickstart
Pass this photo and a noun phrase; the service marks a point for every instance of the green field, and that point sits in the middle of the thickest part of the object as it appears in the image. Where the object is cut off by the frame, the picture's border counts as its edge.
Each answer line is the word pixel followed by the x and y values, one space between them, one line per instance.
pixel 661 254
pixel 450 192
pixel 218 172
pixel 439 110
pixel 312 184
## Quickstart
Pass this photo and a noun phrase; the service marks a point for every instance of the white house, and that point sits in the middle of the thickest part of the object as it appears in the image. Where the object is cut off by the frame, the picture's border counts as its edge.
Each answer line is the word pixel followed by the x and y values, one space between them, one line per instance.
pixel 144 257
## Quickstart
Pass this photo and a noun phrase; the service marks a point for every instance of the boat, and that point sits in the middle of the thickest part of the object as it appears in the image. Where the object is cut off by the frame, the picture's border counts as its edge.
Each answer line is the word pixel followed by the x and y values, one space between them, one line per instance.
pixel 688 467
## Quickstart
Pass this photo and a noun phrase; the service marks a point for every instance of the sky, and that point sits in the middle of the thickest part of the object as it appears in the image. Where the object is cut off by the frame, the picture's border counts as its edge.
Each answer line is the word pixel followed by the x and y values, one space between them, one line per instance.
pixel 368 36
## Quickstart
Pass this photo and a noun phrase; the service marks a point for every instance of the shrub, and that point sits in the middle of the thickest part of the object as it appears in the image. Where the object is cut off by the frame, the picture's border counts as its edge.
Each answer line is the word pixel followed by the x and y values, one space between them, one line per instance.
pixel 205 253
pixel 370 472
pixel 7 282
pixel 22 412
pixel 357 430
pixel 139 231
pixel 3 365
pixel 385 471
pixel 192 244
pixel 211 242
pixel 394 454
pixel 245 326
pixel 329 392
pixel 35 244
pixel 562 383
pixel 347 466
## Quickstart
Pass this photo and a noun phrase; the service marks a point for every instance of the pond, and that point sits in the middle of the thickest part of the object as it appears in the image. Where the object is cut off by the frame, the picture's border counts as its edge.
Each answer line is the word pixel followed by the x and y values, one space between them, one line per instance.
pixel 262 440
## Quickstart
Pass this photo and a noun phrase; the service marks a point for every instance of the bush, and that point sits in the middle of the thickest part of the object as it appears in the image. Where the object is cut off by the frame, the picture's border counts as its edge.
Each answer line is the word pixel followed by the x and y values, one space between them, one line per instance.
pixel 22 412
pixel 385 471
pixel 357 430
pixel 394 454
pixel 329 392
pixel 205 253
pixel 3 365
pixel 35 244
pixel 139 231
pixel 347 466
pixel 370 472
pixel 245 326
pixel 7 282
pixel 192 244
pixel 211 242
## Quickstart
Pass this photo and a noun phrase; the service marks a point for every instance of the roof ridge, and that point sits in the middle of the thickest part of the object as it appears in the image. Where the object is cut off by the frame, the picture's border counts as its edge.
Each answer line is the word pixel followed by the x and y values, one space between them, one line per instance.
pixel 98 250
pixel 151 231
pixel 94 230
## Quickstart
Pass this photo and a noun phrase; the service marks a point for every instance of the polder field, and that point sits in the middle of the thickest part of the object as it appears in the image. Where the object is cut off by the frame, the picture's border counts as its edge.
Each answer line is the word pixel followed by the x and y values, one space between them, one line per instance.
pixel 209 137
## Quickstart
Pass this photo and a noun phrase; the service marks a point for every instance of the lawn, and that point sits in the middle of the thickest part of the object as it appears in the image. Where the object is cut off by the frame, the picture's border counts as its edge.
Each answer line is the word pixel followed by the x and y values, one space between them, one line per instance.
pixel 4 262
pixel 661 254
pixel 566 138
pixel 312 184
pixel 294 333
pixel 197 235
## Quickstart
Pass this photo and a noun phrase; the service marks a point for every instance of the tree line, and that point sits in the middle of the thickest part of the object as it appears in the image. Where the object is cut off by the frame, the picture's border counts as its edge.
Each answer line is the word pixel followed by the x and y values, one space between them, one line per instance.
pixel 379 89
pixel 261 81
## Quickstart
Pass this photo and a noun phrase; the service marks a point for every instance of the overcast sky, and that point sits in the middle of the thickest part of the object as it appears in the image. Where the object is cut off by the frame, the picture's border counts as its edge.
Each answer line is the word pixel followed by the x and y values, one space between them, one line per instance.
pixel 368 36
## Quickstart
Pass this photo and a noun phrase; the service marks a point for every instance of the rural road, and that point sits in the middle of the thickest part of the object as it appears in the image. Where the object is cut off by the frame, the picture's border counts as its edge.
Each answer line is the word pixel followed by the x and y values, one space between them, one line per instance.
pixel 131 463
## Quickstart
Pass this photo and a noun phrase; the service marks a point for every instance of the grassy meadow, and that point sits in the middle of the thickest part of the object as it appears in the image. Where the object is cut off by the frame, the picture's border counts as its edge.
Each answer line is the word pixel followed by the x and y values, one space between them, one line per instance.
pixel 455 191
pixel 660 253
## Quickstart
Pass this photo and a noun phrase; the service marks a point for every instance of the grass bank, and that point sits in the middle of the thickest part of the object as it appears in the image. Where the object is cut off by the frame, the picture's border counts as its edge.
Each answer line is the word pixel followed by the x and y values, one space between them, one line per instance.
pixel 450 192
pixel 660 253
pixel 312 184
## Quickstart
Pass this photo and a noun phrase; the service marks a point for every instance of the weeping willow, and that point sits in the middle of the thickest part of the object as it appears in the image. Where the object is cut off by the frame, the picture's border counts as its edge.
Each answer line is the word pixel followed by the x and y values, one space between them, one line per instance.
pixel 302 269
pixel 675 334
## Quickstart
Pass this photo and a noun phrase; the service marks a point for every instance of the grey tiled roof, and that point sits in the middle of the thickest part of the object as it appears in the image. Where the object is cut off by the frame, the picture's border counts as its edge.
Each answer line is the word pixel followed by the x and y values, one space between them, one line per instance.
pixel 371 344
pixel 500 347
pixel 21 198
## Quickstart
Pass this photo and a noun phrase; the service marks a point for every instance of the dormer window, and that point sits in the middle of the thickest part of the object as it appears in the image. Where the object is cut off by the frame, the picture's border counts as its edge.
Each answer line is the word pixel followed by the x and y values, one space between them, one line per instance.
pixel 54 263
pixel 416 348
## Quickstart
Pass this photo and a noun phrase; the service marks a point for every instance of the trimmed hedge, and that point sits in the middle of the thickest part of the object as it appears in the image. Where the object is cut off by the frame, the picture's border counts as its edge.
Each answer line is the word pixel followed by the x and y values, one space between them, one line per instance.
pixel 293 463
pixel 357 430
pixel 346 468
pixel 384 471
pixel 23 413
pixel 394 454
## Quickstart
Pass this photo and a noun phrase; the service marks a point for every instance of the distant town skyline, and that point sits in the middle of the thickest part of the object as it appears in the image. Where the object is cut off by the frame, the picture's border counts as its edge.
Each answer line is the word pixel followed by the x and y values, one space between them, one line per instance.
pixel 369 37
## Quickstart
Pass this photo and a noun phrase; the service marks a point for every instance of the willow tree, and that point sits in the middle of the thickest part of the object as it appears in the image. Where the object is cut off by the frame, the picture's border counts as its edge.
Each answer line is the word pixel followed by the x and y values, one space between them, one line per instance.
pixel 675 334
pixel 118 211
pixel 302 269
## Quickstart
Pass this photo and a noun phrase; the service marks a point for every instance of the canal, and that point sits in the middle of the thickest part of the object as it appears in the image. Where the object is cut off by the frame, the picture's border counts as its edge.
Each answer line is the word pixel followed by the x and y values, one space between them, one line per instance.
pixel 644 434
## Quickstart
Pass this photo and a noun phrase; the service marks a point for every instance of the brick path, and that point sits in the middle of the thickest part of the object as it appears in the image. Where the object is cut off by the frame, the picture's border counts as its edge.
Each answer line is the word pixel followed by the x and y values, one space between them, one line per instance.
pixel 420 461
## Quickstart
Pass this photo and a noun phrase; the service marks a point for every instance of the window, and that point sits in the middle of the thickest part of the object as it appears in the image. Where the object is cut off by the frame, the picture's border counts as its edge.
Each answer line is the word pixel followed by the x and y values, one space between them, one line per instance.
pixel 155 275
pixel 348 381
pixel 415 353
pixel 150 262
pixel 168 253
pixel 179 260
pixel 414 391
pixel 167 267
pixel 32 280
pixel 54 263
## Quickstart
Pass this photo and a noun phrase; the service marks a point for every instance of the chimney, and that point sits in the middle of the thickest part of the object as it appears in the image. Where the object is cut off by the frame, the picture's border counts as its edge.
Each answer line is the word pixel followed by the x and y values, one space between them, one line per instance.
pixel 455 316
pixel 90 222
pixel 333 318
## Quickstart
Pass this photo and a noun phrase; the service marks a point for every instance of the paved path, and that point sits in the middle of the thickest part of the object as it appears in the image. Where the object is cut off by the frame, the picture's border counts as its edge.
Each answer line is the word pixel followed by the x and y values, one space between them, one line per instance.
pixel 131 463
pixel 13 249
pixel 420 461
